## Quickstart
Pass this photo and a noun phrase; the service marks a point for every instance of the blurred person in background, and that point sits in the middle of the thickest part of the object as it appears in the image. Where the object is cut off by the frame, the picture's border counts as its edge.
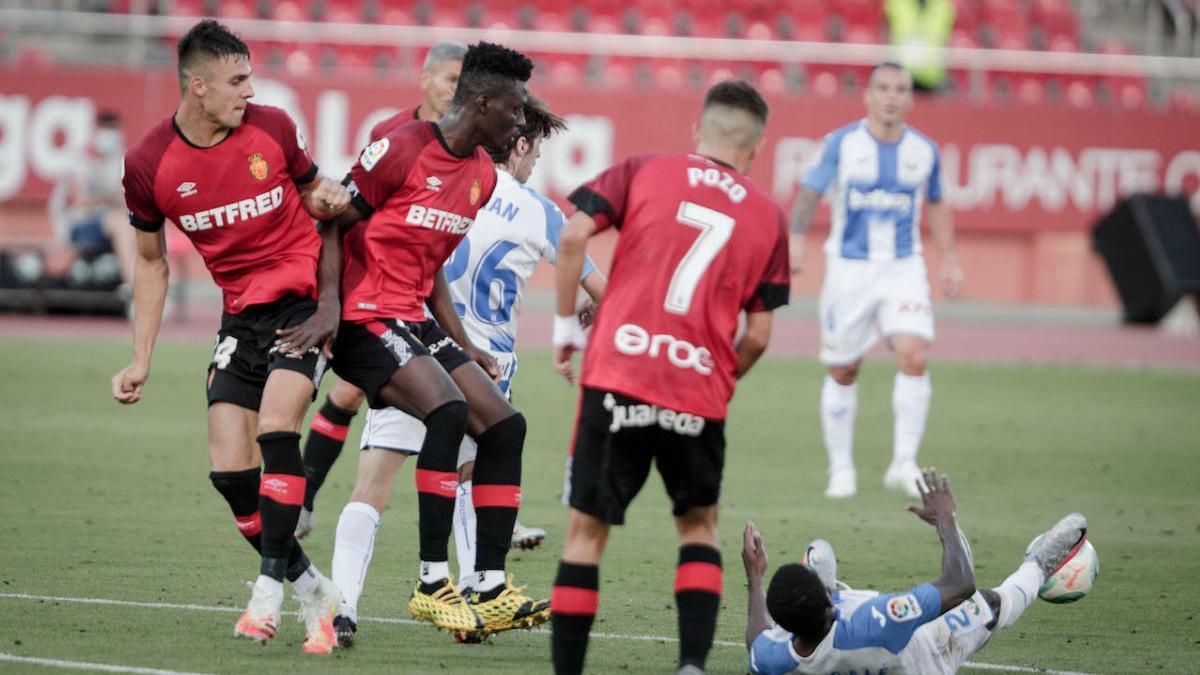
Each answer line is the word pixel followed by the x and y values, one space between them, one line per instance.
pixel 881 174
pixel 87 205
pixel 916 26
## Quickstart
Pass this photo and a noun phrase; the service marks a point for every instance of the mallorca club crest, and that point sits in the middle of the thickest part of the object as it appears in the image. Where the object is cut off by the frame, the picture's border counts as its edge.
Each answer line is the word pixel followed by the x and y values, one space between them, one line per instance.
pixel 258 166
pixel 476 192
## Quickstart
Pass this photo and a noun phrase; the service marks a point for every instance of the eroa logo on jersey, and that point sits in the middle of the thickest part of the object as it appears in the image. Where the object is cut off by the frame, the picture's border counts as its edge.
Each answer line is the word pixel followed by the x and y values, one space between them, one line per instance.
pixel 634 340
pixel 259 168
pixel 373 153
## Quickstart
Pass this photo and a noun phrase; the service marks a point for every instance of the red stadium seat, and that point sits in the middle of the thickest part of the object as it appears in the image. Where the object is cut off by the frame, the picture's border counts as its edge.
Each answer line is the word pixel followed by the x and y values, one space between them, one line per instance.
pixel 289 11
pixel 235 9
pixel 186 7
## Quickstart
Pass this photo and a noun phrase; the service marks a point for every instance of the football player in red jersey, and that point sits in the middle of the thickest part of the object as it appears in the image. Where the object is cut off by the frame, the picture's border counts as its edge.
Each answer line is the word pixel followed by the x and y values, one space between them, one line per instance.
pixel 699 244
pixel 236 178
pixel 439 79
pixel 415 194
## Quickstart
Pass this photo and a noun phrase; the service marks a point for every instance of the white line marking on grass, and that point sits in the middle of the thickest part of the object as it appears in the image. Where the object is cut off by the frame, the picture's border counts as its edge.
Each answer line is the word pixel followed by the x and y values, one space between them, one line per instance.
pixel 84 665
pixel 409 622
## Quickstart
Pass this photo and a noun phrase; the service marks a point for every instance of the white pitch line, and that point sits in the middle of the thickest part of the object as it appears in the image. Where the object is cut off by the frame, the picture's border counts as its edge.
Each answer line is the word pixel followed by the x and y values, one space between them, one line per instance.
pixel 410 622
pixel 85 665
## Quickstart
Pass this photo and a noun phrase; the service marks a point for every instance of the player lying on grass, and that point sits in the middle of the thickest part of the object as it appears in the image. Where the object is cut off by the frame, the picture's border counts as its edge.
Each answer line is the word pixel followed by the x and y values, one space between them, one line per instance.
pixel 809 622
pixel 516 229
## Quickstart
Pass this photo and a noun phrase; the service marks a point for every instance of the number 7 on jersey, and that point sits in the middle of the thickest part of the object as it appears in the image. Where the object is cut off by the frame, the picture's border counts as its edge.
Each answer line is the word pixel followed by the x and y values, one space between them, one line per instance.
pixel 715 230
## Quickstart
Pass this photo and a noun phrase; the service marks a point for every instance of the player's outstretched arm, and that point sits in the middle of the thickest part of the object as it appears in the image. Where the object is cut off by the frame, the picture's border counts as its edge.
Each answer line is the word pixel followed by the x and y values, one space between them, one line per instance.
pixel 957 582
pixel 753 342
pixel 320 328
pixel 568 334
pixel 754 560
pixel 324 198
pixel 441 305
pixel 150 280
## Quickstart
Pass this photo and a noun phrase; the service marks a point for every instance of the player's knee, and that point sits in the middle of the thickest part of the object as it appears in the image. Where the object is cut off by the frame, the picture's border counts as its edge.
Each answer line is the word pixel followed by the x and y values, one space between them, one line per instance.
pixel 373 493
pixel 914 361
pixel 845 375
pixel 450 416
pixel 346 396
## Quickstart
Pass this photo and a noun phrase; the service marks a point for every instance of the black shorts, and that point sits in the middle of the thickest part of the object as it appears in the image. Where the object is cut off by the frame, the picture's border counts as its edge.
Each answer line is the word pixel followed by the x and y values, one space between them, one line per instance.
pixel 366 354
pixel 245 351
pixel 616 437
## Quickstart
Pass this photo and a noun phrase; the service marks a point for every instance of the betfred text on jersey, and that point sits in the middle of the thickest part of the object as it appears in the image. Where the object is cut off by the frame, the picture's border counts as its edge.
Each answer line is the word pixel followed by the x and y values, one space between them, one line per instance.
pixel 223 216
pixel 634 340
pixel 646 415
pixel 436 219
pixel 722 180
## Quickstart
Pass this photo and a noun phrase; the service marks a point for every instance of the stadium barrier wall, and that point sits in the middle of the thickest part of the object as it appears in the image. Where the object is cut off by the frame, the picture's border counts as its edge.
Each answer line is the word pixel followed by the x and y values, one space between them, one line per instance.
pixel 1025 181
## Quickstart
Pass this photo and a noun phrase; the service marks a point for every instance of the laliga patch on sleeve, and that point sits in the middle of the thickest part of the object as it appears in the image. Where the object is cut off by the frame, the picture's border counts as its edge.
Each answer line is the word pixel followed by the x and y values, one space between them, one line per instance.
pixel 300 139
pixel 373 153
pixel 903 608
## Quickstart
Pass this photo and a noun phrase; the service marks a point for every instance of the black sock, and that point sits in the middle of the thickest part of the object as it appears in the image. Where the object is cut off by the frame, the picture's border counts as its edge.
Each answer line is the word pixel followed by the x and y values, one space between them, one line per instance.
pixel 698 598
pixel 573 603
pixel 437 479
pixel 496 490
pixel 325 439
pixel 280 497
pixel 240 489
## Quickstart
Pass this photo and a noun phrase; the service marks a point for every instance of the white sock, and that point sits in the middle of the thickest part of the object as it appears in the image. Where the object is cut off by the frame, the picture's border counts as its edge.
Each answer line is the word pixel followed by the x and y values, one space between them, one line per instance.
pixel 309 582
pixel 486 580
pixel 352 548
pixel 910 405
pixel 464 534
pixel 1018 592
pixel 839 405
pixel 434 571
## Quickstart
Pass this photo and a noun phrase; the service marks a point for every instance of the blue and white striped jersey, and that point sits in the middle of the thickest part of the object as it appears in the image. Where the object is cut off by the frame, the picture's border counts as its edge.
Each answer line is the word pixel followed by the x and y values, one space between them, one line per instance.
pixel 488 271
pixel 873 634
pixel 876 191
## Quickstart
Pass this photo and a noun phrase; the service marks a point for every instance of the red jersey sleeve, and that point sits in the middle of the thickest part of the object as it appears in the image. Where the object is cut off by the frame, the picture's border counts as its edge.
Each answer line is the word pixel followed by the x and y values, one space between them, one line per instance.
pixel 604 197
pixel 138 172
pixel 384 165
pixel 280 126
pixel 389 124
pixel 775 284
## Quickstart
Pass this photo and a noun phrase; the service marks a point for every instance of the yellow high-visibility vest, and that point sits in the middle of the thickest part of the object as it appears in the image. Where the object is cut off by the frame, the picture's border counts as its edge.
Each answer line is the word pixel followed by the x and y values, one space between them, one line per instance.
pixel 914 29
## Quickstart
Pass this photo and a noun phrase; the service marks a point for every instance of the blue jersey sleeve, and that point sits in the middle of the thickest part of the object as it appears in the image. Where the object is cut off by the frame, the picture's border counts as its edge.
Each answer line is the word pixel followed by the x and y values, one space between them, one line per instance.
pixel 770 654
pixel 889 621
pixel 825 170
pixel 934 190
pixel 554 225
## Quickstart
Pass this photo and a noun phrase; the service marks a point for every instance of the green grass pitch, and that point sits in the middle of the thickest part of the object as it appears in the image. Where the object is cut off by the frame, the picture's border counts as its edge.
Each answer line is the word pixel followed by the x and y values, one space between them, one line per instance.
pixel 104 501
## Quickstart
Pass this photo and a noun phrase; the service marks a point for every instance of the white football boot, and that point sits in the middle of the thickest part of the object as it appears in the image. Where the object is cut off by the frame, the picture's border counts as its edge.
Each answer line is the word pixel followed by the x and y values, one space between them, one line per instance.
pixel 527 538
pixel 1058 544
pixel 261 618
pixel 903 477
pixel 843 484
pixel 317 610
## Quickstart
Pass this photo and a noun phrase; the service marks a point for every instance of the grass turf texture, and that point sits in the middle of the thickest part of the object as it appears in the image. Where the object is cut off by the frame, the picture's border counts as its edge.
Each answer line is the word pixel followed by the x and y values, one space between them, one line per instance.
pixel 101 500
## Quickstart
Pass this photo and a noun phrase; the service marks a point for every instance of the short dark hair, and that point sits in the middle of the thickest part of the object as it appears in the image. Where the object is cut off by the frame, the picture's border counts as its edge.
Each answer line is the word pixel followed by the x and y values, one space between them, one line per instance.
pixel 539 123
pixel 486 66
pixel 738 94
pixel 798 602
pixel 208 40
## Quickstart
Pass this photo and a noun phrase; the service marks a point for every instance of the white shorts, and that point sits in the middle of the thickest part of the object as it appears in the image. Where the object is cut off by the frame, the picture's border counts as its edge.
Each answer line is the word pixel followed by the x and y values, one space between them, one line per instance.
pixel 396 430
pixel 944 645
pixel 863 299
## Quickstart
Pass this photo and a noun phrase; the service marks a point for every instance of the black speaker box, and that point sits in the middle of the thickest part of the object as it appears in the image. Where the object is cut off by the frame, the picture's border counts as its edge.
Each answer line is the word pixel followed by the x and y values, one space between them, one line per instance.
pixel 1151 244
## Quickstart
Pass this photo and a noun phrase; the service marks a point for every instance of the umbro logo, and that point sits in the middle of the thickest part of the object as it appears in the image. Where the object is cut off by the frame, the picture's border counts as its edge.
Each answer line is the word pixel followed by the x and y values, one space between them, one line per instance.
pixel 433 183
pixel 186 189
